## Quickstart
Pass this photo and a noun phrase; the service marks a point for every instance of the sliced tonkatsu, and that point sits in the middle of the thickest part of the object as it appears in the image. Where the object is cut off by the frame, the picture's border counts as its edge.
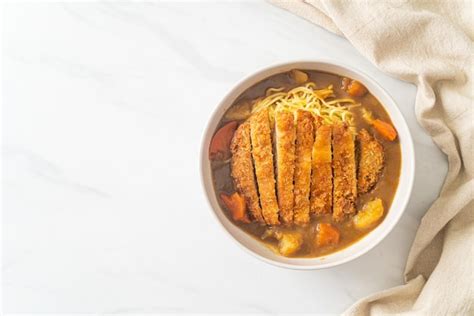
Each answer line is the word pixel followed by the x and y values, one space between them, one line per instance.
pixel 344 169
pixel 242 170
pixel 260 135
pixel 285 136
pixel 371 161
pixel 302 179
pixel 321 177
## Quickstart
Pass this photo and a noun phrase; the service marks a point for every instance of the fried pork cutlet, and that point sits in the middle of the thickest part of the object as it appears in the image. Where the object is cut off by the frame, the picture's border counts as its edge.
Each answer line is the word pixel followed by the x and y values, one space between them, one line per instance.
pixel 344 167
pixel 260 134
pixel 242 170
pixel 304 146
pixel 371 160
pixel 321 176
pixel 285 135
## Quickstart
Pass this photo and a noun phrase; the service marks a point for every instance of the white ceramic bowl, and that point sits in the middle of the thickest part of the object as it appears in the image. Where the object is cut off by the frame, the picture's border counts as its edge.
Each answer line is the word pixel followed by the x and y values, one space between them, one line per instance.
pixel 400 200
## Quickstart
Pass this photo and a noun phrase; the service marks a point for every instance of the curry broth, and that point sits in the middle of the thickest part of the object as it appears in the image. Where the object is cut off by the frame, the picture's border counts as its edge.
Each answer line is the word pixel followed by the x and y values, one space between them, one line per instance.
pixel 385 188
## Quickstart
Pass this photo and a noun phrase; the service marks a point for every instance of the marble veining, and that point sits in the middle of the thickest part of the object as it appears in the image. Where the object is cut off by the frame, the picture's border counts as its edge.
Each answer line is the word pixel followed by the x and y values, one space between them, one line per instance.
pixel 104 106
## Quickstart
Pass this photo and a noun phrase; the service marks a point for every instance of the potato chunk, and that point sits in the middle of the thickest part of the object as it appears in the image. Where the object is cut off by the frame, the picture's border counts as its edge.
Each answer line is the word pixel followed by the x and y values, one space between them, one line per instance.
pixel 298 76
pixel 239 111
pixel 288 242
pixel 369 215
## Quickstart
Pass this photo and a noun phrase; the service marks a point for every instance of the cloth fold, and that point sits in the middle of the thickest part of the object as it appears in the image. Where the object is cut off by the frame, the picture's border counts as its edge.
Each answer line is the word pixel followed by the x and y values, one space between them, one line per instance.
pixel 429 43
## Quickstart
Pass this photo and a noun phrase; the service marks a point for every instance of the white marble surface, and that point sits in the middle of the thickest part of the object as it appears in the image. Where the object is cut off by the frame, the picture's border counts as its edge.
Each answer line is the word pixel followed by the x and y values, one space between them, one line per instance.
pixel 103 110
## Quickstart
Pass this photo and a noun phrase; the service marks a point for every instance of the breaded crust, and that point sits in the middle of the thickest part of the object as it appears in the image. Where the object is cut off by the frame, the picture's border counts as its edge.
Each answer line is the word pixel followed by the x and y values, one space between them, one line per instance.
pixel 371 161
pixel 242 170
pixel 260 135
pixel 304 146
pixel 285 135
pixel 344 168
pixel 321 176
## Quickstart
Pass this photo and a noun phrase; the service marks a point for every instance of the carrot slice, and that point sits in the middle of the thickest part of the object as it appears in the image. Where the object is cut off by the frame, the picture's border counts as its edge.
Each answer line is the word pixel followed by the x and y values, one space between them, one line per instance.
pixel 385 129
pixel 235 203
pixel 220 143
pixel 326 235
pixel 356 89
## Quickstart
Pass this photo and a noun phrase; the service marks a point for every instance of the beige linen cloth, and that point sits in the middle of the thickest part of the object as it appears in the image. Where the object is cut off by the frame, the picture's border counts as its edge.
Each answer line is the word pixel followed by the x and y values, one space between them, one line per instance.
pixel 429 43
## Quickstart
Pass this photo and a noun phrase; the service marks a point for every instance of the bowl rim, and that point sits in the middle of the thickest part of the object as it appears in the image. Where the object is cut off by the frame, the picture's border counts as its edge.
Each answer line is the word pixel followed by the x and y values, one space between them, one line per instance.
pixel 408 159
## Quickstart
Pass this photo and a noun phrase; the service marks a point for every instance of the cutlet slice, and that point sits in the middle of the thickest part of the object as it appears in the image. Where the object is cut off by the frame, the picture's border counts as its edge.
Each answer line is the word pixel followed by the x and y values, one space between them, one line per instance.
pixel 260 134
pixel 371 161
pixel 242 170
pixel 344 168
pixel 304 146
pixel 285 135
pixel 321 176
